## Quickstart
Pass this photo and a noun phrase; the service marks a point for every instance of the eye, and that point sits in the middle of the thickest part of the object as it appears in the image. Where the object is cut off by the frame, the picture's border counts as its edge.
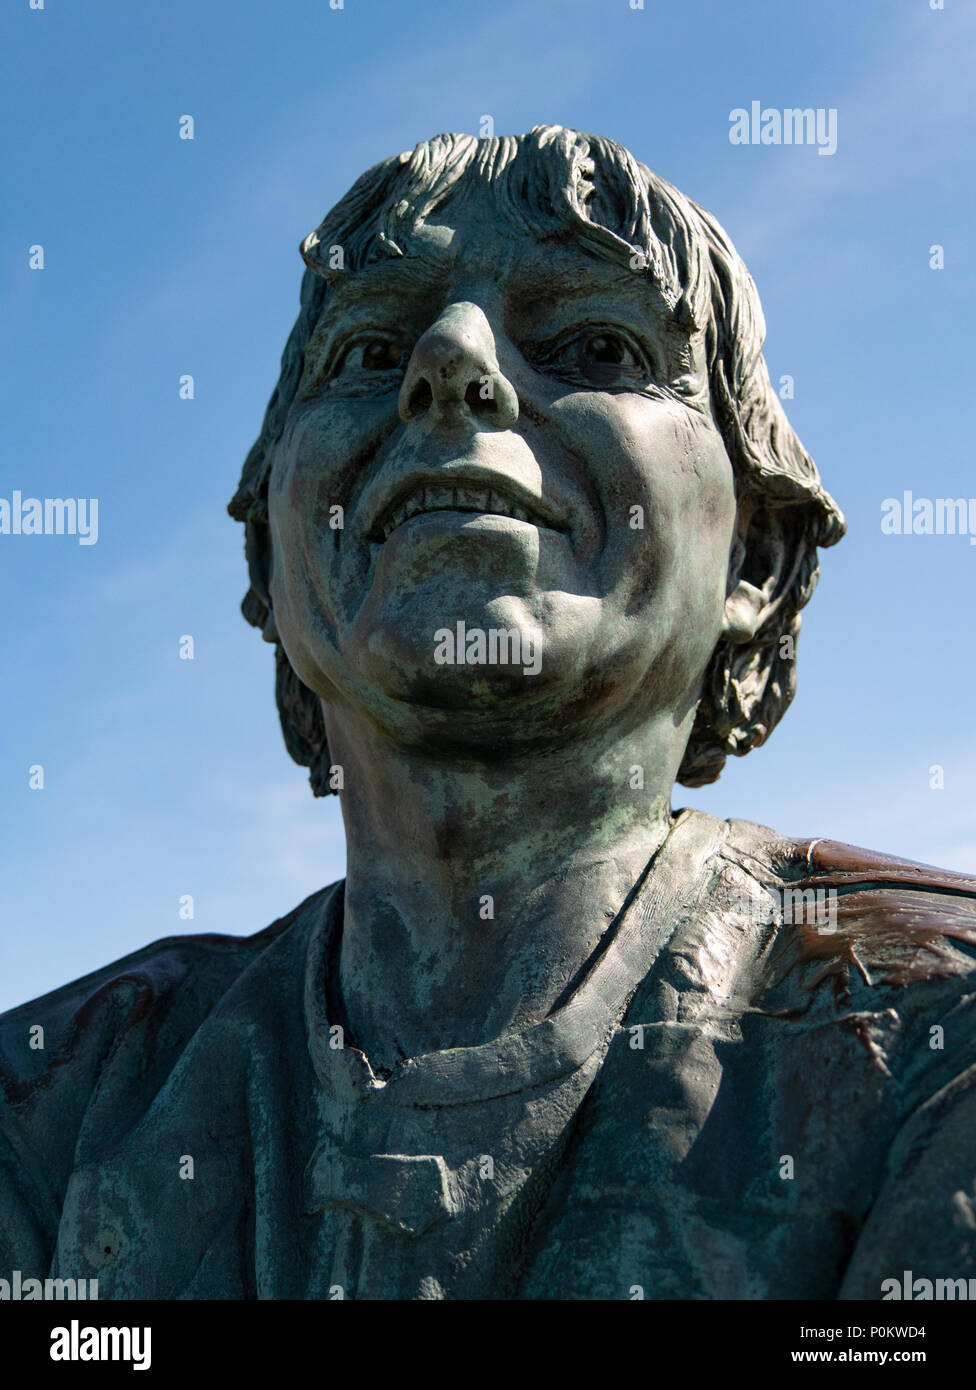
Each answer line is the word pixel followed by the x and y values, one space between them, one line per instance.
pixel 372 355
pixel 369 364
pixel 607 349
pixel 598 356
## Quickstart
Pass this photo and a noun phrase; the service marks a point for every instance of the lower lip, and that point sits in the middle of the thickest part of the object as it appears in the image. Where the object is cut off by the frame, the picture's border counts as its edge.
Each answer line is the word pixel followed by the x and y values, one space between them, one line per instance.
pixel 447 520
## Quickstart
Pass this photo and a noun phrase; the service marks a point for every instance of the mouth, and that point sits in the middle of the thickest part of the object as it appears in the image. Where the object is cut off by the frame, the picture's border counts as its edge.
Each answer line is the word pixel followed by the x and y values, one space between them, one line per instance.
pixel 499 498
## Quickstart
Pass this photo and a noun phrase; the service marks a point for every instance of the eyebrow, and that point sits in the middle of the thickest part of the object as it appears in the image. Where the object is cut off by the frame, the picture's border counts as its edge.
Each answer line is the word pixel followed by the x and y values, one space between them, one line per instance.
pixel 403 276
pixel 390 276
pixel 429 271
pixel 573 281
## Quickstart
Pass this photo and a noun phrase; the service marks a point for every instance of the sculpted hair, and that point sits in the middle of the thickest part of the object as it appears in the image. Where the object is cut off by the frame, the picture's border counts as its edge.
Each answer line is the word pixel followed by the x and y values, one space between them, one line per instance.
pixel 561 184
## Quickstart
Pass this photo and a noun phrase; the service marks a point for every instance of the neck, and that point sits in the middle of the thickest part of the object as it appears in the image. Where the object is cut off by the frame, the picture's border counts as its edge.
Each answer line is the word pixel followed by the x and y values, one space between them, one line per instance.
pixel 476 893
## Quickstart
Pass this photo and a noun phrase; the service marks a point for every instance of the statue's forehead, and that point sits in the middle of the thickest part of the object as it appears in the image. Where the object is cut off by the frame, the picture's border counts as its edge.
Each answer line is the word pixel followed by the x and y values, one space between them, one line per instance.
pixel 446 252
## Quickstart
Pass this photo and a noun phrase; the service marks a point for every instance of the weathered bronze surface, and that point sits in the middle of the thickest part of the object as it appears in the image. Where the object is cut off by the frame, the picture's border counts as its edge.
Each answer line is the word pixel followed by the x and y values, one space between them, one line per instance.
pixel 530 534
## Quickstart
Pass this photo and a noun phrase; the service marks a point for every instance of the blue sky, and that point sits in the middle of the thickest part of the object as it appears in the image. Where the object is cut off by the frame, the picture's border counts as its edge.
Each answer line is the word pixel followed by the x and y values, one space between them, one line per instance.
pixel 165 256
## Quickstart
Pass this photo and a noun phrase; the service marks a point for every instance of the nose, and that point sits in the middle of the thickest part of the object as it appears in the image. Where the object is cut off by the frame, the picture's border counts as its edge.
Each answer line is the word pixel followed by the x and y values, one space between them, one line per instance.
pixel 453 373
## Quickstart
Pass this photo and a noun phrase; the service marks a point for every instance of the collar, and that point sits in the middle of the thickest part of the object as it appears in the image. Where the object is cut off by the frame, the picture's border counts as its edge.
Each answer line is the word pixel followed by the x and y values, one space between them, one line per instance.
pixel 666 896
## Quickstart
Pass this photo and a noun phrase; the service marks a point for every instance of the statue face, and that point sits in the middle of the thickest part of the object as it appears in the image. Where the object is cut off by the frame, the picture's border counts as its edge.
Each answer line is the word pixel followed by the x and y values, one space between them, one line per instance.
pixel 519 438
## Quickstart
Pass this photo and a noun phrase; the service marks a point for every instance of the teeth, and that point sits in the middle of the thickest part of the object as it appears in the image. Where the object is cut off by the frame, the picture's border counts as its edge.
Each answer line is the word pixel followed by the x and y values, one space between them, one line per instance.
pixel 439 499
pixel 471 500
pixel 463 499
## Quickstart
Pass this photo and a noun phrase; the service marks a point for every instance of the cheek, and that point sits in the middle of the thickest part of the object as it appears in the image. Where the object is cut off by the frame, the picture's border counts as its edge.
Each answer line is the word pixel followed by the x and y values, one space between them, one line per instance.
pixel 669 462
pixel 301 492
pixel 639 450
pixel 705 493
pixel 321 464
pixel 306 476
pixel 320 467
pixel 326 451
pixel 700 526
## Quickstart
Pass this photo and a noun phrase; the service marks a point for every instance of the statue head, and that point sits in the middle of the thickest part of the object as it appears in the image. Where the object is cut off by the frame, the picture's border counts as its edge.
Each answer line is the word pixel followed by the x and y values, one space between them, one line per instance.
pixel 525 394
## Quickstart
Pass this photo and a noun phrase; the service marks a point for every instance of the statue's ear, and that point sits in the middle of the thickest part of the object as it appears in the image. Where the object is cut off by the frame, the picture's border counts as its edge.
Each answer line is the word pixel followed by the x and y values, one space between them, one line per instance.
pixel 762 571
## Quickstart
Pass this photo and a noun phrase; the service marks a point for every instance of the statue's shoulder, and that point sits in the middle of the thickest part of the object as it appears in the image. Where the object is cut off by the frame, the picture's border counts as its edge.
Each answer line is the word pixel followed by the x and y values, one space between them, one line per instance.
pixel 892 921
pixel 134 1016
pixel 843 864
pixel 88 1058
pixel 190 969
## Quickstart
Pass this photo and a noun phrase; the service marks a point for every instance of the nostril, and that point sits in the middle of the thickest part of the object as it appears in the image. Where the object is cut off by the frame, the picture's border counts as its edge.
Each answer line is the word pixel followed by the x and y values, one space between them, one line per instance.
pixel 420 397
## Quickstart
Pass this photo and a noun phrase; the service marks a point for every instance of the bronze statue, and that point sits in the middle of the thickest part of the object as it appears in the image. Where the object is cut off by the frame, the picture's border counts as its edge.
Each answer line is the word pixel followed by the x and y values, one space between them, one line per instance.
pixel 530 534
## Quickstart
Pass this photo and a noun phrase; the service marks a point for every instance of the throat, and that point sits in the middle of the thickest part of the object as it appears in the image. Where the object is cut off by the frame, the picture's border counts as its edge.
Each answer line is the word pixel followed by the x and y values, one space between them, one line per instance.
pixel 423 967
